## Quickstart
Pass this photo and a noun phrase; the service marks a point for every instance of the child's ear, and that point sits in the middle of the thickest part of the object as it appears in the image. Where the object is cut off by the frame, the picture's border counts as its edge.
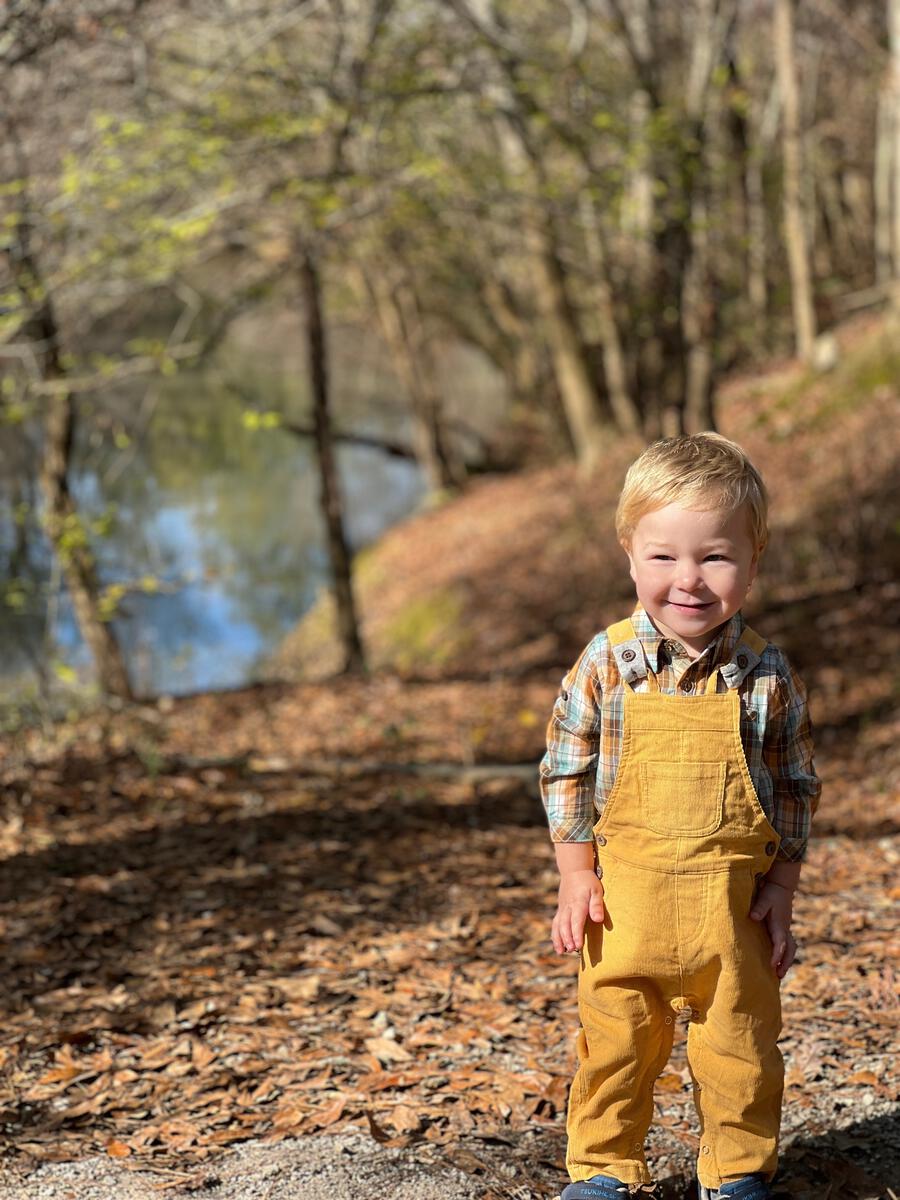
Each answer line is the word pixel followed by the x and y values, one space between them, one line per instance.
pixel 626 546
pixel 754 568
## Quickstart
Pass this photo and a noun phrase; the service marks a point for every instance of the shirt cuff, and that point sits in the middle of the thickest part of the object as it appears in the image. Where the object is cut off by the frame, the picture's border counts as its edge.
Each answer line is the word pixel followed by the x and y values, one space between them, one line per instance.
pixel 792 850
pixel 571 833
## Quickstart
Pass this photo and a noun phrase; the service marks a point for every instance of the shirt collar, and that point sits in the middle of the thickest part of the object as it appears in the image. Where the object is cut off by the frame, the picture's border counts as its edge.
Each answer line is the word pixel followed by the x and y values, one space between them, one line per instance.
pixel 719 650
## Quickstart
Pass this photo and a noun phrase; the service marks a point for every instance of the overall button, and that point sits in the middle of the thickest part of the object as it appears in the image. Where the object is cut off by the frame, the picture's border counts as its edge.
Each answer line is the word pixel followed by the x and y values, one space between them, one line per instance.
pixel 628 655
pixel 770 847
pixel 601 840
pixel 742 660
pixel 686 687
pixel 751 714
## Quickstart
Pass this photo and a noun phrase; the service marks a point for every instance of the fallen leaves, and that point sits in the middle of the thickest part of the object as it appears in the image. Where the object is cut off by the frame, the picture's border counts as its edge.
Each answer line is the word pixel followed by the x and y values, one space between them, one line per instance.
pixel 299 962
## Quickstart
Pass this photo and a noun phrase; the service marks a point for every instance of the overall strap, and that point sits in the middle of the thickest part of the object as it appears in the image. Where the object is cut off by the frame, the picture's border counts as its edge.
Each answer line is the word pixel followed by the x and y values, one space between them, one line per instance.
pixel 629 655
pixel 752 640
pixel 745 657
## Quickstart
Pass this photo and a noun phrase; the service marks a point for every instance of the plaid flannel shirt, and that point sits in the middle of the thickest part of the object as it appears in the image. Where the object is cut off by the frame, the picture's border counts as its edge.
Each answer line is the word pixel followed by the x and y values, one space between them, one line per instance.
pixel 585 732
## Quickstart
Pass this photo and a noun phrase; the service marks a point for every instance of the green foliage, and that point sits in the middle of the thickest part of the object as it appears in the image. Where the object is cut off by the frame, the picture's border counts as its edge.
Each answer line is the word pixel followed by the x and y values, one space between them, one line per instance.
pixel 71 536
pixel 14 412
pixel 429 632
pixel 16 595
pixel 103 524
pixel 63 672
pixel 109 600
pixel 254 420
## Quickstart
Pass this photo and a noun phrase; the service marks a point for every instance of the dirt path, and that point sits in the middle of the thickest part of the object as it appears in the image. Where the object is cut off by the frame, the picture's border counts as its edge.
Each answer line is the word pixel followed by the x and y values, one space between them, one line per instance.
pixel 344 1167
pixel 855 1160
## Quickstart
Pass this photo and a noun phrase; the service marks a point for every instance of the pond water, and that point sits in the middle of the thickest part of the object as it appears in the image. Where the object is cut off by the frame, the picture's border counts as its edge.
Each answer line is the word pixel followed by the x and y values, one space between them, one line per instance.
pixel 223 520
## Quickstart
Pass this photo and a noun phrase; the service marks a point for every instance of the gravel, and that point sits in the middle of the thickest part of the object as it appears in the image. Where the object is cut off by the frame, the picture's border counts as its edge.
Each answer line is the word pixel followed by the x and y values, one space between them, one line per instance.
pixel 342 1167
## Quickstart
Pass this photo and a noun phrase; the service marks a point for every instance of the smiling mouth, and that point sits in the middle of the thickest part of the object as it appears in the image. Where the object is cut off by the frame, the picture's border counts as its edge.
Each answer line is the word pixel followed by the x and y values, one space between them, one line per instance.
pixel 678 604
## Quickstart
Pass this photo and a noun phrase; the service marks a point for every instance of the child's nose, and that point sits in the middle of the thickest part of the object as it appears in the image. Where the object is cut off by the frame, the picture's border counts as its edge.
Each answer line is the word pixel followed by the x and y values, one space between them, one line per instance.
pixel 688 576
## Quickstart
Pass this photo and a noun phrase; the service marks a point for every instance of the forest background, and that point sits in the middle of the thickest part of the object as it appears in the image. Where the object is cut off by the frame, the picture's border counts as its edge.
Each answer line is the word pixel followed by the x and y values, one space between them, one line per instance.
pixel 276 276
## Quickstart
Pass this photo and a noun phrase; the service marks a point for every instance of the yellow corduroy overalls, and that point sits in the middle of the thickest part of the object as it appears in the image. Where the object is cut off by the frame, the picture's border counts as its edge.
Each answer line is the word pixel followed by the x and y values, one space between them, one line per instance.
pixel 681 846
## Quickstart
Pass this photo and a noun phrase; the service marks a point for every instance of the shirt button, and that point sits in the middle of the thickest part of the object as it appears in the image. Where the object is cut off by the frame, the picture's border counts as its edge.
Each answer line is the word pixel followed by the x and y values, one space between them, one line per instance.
pixel 686 686
pixel 565 694
pixel 742 660
pixel 770 847
pixel 628 655
pixel 601 840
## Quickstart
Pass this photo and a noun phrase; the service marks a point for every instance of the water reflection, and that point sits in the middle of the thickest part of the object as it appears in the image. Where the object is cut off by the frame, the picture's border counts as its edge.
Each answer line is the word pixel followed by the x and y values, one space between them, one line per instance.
pixel 225 519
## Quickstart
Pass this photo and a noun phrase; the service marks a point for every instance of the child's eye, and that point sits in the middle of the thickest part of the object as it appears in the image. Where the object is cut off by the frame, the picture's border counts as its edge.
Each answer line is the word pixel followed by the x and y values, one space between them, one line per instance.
pixel 716 558
pixel 663 557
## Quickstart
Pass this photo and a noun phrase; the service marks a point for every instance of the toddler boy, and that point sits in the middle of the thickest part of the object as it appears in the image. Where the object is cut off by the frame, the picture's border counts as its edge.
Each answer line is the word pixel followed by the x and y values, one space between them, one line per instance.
pixel 687 735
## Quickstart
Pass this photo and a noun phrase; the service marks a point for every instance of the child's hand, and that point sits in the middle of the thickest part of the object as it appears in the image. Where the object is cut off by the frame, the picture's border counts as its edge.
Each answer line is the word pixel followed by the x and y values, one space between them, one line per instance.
pixel 774 905
pixel 580 897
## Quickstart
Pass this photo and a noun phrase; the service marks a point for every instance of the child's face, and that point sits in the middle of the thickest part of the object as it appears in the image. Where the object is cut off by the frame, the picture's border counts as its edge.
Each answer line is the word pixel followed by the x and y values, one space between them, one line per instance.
pixel 692 570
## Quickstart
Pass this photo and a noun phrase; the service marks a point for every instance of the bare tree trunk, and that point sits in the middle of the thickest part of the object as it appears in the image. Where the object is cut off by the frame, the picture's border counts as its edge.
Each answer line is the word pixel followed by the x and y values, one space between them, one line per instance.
pixel 331 502
pixel 858 202
pixel 522 358
pixel 66 534
pixel 696 309
pixel 640 209
pixel 661 367
pixel 883 182
pixel 648 353
pixel 576 388
pixel 624 409
pixel 61 520
pixel 794 222
pixel 403 329
pixel 677 355
pixel 713 31
pixel 894 35
pixel 757 288
pixel 834 218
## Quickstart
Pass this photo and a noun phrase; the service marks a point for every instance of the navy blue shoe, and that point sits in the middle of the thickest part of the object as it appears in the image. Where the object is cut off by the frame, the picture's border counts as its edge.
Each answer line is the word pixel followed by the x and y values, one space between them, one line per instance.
pixel 751 1187
pixel 598 1187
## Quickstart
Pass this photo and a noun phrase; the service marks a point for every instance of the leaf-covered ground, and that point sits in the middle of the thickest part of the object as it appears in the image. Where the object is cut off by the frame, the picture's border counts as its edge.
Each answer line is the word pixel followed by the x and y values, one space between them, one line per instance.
pixel 303 909
pixel 273 944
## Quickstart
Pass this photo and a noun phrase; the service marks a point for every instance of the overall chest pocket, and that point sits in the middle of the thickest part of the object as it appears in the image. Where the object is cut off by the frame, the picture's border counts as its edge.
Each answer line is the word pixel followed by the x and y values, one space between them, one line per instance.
pixel 682 799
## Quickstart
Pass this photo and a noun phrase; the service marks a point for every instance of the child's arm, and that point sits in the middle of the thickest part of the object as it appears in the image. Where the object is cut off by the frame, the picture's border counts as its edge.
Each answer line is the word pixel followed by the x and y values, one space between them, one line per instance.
pixel 568 779
pixel 787 752
pixel 580 895
pixel 774 905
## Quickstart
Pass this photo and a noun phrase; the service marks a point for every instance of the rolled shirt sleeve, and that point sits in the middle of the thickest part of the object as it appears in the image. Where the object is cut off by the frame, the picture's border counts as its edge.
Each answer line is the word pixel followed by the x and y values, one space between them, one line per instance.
pixel 568 770
pixel 788 755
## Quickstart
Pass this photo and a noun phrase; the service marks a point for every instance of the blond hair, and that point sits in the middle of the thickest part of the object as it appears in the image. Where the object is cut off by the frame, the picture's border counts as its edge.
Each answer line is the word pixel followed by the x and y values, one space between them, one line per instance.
pixel 702 471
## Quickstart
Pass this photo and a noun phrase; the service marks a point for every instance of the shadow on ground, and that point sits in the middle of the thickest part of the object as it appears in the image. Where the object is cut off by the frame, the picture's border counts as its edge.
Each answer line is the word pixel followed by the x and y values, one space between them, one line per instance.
pixel 859 1162
pixel 403 844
